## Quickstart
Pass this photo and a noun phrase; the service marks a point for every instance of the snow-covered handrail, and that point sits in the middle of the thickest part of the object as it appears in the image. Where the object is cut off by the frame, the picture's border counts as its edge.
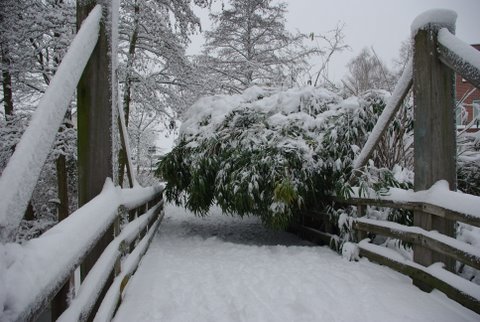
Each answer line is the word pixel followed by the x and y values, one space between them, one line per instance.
pixel 33 273
pixel 97 277
pixel 438 201
pixel 399 93
pixel 459 56
pixel 455 287
pixel 21 173
pixel 450 246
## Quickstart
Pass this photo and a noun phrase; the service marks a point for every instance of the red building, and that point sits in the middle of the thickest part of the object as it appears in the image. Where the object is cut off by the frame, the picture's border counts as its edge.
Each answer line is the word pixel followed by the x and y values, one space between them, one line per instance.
pixel 469 98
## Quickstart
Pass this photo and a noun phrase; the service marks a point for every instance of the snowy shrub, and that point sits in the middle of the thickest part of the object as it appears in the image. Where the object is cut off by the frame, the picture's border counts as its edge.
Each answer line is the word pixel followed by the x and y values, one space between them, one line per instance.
pixel 468 166
pixel 272 154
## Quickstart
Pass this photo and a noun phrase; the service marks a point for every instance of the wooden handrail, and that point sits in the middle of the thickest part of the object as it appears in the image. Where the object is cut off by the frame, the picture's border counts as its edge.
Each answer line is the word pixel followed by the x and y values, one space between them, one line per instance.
pixel 393 105
pixel 429 208
pixel 452 51
pixel 458 250
pixel 433 277
pixel 21 173
pixel 70 241
pixel 81 307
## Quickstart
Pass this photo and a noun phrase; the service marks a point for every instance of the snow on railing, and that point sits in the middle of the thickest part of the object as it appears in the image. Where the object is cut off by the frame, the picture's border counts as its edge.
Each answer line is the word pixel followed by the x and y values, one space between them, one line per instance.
pixel 439 199
pixel 84 301
pixel 21 173
pixel 32 273
pixel 459 56
pixel 395 101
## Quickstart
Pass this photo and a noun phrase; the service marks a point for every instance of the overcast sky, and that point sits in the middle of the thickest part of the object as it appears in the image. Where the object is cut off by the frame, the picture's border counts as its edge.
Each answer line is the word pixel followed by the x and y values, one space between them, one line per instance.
pixel 383 24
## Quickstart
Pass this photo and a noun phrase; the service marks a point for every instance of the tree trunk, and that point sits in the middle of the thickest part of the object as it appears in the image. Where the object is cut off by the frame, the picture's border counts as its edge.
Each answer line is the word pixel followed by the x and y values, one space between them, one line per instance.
pixel 127 93
pixel 6 82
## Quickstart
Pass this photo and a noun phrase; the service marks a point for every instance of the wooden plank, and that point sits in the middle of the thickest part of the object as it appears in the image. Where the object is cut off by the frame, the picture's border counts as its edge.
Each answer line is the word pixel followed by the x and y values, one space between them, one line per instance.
pixel 314 235
pixel 419 206
pixel 434 134
pixel 418 238
pixel 419 274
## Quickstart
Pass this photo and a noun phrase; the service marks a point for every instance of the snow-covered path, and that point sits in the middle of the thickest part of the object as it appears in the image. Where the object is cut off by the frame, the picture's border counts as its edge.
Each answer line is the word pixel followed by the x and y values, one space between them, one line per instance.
pixel 226 269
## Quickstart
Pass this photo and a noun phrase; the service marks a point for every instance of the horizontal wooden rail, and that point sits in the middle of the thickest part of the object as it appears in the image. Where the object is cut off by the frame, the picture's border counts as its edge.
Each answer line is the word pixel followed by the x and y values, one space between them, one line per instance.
pixel 82 305
pixel 457 288
pixel 459 56
pixel 458 250
pixel 113 297
pixel 314 235
pixel 60 250
pixel 429 208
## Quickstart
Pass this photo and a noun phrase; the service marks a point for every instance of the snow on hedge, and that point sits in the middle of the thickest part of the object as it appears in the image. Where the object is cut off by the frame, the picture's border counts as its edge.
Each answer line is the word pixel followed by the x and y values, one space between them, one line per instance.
pixel 268 152
pixel 28 272
pixel 21 173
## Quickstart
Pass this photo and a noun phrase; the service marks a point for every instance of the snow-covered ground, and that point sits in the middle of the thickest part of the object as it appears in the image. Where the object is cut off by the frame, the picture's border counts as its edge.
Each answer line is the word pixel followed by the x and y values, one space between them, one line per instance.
pixel 227 269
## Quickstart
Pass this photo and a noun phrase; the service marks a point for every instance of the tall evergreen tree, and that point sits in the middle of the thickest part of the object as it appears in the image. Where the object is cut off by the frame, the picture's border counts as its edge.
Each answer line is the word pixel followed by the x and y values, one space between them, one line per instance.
pixel 249 44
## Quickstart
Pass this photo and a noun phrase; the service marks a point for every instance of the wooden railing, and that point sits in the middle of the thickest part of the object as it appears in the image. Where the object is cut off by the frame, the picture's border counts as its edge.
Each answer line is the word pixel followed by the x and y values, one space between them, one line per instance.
pixel 312 227
pixel 35 277
pixel 48 262
pixel 436 53
pixel 433 276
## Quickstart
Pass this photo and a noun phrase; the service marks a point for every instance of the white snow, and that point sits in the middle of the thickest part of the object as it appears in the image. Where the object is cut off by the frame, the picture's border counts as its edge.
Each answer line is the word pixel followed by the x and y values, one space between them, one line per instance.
pixel 20 176
pixel 438 18
pixel 220 268
pixel 282 107
pixel 31 270
pixel 403 85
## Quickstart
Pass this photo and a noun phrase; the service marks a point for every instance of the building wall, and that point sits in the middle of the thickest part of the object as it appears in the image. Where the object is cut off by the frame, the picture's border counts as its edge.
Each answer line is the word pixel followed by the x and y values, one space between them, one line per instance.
pixel 462 88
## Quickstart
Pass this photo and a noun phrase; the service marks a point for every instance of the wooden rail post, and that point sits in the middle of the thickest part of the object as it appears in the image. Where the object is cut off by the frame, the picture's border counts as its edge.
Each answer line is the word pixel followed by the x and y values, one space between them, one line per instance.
pixel 434 134
pixel 95 120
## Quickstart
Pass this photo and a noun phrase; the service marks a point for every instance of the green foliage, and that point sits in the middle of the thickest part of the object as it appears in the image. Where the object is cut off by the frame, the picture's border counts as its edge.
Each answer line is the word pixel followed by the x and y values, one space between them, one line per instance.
pixel 468 168
pixel 254 164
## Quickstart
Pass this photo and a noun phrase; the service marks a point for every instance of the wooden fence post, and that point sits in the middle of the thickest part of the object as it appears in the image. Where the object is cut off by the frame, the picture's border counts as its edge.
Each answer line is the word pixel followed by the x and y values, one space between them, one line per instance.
pixel 95 98
pixel 434 134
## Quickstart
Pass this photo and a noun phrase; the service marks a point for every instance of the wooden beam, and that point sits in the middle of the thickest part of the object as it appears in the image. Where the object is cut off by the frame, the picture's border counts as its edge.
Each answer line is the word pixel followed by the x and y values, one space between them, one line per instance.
pixel 393 105
pixel 434 134
pixel 455 61
pixel 95 122
pixel 416 273
pixel 419 237
pixel 430 209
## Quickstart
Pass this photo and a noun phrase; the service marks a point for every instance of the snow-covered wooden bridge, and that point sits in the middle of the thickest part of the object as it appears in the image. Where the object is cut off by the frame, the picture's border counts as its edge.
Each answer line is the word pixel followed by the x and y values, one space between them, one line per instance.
pixel 214 269
pixel 220 268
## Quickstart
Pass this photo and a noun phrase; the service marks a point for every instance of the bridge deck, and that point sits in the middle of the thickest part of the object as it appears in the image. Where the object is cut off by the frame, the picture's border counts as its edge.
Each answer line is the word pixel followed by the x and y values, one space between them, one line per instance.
pixel 225 269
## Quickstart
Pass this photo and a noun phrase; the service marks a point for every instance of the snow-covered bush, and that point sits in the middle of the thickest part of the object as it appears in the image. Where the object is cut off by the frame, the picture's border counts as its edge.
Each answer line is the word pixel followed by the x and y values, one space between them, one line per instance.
pixel 468 166
pixel 271 153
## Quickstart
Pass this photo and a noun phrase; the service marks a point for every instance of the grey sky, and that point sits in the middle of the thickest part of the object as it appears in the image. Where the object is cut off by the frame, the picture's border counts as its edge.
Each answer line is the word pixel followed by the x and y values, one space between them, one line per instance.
pixel 383 24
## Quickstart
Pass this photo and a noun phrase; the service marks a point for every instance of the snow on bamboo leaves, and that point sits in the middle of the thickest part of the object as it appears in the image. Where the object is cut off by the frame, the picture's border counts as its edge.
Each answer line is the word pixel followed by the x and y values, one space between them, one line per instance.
pixel 267 152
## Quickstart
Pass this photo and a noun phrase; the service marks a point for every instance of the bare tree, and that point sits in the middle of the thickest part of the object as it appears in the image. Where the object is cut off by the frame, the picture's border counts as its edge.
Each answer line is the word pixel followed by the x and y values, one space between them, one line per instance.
pixel 366 72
